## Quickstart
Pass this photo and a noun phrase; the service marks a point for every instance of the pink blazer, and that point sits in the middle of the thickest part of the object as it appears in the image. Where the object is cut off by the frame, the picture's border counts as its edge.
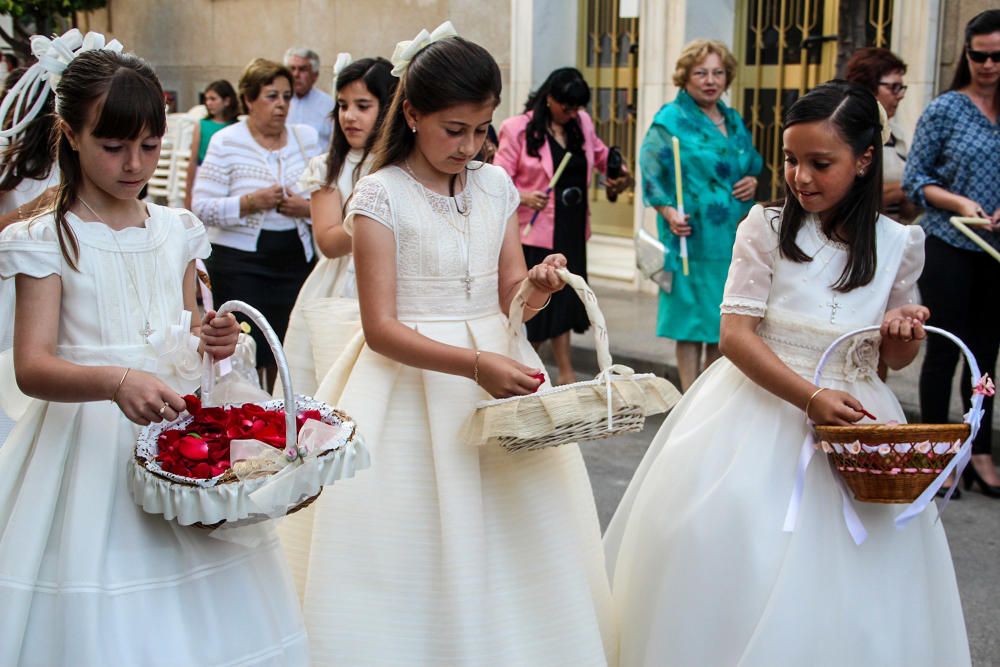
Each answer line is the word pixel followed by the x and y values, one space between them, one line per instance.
pixel 534 173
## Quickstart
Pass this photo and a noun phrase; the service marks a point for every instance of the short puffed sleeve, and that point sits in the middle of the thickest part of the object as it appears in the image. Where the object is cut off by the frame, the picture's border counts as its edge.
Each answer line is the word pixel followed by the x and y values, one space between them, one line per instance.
pixel 370 199
pixel 314 176
pixel 904 287
pixel 31 248
pixel 752 269
pixel 195 237
pixel 512 196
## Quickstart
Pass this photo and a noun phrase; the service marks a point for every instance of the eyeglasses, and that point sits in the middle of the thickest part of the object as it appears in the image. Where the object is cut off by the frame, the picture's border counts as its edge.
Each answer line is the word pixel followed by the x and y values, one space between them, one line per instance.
pixel 980 57
pixel 894 87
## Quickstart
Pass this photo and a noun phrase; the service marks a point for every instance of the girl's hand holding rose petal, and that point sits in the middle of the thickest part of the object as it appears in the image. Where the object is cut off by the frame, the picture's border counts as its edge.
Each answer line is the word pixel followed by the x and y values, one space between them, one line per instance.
pixel 503 377
pixel 145 399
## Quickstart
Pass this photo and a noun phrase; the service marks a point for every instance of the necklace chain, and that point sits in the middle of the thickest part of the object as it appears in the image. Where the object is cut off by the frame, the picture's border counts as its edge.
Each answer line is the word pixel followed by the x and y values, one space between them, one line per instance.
pixel 465 235
pixel 146 331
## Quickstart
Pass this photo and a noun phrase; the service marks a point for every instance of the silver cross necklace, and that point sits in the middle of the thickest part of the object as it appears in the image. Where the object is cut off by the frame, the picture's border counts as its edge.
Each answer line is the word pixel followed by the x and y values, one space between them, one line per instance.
pixel 146 331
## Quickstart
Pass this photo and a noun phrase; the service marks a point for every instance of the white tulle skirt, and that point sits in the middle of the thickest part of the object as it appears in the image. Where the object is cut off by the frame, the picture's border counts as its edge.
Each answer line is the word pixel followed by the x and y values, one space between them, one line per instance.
pixel 703 574
pixel 443 553
pixel 90 580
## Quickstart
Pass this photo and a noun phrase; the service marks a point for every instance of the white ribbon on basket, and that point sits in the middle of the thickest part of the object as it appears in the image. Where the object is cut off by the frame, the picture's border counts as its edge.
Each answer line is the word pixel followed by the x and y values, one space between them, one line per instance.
pixel 54 55
pixel 177 349
pixel 250 458
pixel 853 522
pixel 407 49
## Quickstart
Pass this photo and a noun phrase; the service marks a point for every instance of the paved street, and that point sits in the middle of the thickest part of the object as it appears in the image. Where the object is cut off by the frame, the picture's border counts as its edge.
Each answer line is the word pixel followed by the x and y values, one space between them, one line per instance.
pixel 972 523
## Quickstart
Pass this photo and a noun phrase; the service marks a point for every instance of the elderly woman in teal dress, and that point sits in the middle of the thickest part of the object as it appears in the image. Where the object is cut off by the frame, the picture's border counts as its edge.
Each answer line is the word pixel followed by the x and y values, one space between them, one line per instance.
pixel 718 170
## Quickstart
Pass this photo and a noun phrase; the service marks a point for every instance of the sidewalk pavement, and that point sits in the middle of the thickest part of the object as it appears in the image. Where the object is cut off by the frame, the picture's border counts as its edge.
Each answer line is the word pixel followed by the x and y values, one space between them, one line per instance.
pixel 631 319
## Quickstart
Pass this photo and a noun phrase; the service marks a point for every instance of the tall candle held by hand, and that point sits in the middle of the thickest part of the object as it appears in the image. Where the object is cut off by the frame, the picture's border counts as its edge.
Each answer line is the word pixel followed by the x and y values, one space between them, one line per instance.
pixel 680 200
pixel 555 179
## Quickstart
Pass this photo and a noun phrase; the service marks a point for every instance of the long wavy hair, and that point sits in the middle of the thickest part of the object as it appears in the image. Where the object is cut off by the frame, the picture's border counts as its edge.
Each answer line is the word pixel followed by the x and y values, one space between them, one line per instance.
pixel 31 154
pixel 375 74
pixel 566 86
pixel 853 112
pixel 447 73
pixel 124 97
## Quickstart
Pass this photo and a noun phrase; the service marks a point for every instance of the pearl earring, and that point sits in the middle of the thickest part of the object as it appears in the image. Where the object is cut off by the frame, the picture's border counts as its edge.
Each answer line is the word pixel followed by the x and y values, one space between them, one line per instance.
pixel 414 128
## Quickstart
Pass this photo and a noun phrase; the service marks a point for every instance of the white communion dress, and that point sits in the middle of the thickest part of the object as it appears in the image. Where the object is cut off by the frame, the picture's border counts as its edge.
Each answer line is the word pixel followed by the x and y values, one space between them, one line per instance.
pixel 86 577
pixel 443 553
pixel 702 571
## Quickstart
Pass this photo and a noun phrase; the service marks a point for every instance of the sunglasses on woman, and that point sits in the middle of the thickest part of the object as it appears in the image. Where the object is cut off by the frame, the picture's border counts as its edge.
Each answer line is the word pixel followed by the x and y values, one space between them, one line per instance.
pixel 981 56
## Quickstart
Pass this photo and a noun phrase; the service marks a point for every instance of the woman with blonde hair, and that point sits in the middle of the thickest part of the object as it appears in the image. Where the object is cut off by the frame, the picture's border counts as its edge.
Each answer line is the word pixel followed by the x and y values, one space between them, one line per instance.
pixel 718 168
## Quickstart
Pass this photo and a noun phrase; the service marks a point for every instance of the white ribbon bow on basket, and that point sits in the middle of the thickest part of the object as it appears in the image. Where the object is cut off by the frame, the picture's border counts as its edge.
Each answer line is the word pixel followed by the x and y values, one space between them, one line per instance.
pixel 407 49
pixel 54 56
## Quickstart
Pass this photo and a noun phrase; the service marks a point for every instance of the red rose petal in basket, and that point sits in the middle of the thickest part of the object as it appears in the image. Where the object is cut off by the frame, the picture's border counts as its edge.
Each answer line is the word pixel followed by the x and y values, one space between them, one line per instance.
pixel 193 403
pixel 193 447
pixel 541 380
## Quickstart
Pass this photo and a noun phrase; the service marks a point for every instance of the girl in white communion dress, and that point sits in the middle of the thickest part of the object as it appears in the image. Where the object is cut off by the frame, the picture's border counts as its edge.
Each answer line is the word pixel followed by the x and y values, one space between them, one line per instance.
pixel 702 570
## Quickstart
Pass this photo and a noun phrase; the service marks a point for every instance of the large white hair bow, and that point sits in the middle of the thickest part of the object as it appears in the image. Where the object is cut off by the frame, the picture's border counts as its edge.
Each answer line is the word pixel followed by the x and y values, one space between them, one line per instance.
pixel 53 55
pixel 883 120
pixel 343 60
pixel 406 50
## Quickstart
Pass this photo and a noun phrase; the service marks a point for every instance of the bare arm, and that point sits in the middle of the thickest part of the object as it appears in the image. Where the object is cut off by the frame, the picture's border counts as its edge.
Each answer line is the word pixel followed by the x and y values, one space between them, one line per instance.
pixel 949 201
pixel 327 208
pixel 40 373
pixel 374 257
pixel 740 343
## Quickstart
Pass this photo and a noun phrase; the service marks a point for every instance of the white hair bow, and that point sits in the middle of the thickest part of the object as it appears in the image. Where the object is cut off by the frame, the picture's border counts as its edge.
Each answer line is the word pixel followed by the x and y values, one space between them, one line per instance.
pixel 53 55
pixel 406 50
pixel 343 60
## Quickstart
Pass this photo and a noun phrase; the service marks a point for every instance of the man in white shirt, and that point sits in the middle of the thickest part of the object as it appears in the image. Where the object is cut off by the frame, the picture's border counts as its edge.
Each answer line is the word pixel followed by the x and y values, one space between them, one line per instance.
pixel 310 105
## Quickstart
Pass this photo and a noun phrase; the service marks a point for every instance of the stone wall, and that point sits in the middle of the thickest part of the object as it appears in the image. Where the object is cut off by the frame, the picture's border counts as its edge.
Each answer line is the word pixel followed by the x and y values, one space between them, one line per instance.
pixel 956 13
pixel 193 42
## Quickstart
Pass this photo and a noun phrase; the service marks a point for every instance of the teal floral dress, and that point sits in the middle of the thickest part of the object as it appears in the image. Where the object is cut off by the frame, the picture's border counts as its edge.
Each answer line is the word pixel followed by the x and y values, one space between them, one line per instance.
pixel 711 163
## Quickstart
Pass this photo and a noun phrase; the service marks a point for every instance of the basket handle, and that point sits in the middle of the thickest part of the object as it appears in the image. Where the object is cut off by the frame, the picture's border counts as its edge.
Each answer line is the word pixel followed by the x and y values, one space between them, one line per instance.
pixel 973 366
pixel 208 372
pixel 589 302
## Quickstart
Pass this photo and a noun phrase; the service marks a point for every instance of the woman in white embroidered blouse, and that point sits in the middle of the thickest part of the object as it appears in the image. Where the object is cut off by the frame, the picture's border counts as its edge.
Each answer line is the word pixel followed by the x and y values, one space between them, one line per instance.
pixel 246 192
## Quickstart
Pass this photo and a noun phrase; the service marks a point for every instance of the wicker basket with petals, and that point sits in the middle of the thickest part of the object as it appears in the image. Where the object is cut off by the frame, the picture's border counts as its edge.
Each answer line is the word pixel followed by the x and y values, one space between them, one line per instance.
pixel 278 482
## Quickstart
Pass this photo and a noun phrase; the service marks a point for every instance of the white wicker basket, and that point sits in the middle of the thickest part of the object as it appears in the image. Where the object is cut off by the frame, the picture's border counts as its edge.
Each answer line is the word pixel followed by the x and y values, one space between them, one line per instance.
pixel 229 499
pixel 616 401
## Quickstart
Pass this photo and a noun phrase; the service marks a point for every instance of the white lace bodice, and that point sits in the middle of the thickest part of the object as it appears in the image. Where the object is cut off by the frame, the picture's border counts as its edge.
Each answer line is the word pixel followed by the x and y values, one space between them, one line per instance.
pixel 801 312
pixel 446 263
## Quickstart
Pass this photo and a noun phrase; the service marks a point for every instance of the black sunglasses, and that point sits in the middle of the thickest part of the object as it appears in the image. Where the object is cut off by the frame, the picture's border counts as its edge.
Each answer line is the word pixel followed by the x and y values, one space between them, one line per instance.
pixel 981 56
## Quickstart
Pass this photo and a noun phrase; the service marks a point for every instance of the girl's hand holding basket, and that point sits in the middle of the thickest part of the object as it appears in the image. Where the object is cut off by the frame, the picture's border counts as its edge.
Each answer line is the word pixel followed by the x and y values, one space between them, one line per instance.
pixel 219 335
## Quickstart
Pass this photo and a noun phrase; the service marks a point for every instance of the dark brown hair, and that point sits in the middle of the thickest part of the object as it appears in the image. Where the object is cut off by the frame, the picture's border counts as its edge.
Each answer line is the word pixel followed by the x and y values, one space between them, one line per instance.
pixel 375 73
pixel 853 112
pixel 127 102
pixel 31 154
pixel 983 23
pixel 447 73
pixel 868 65
pixel 224 89
pixel 566 86
pixel 259 73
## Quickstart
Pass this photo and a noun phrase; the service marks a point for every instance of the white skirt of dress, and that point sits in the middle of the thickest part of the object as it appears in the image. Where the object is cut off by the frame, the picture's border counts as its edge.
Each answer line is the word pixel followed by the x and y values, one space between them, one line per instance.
pixel 443 553
pixel 703 574
pixel 88 579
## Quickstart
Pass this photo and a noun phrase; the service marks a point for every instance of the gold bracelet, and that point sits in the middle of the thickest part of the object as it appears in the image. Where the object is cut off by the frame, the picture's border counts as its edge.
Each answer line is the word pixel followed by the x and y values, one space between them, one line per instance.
pixel 249 202
pixel 475 368
pixel 114 396
pixel 809 402
pixel 541 307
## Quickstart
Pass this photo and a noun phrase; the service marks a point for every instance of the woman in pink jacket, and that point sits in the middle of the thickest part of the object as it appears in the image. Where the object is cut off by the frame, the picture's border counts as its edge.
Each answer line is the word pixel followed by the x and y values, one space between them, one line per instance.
pixel 531 147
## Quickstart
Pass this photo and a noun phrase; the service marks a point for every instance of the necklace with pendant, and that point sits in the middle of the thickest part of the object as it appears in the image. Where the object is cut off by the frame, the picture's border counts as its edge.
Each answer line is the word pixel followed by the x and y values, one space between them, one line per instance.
pixel 146 331
pixel 464 234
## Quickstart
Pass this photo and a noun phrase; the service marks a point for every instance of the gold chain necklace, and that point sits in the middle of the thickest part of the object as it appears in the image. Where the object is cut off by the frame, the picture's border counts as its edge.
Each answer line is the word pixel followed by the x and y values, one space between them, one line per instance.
pixel 146 331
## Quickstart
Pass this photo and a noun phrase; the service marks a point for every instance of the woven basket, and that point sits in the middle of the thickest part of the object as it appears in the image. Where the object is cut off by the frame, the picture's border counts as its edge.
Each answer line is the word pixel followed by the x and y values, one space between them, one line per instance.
pixel 616 401
pixel 228 499
pixel 895 463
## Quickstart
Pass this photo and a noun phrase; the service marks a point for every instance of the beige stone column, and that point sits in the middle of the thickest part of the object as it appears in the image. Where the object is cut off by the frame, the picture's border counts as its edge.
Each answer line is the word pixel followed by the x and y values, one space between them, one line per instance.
pixel 915 30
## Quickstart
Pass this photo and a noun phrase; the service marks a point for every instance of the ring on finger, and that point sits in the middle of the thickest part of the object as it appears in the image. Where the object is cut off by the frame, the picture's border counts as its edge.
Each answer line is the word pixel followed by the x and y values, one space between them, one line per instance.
pixel 163 408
